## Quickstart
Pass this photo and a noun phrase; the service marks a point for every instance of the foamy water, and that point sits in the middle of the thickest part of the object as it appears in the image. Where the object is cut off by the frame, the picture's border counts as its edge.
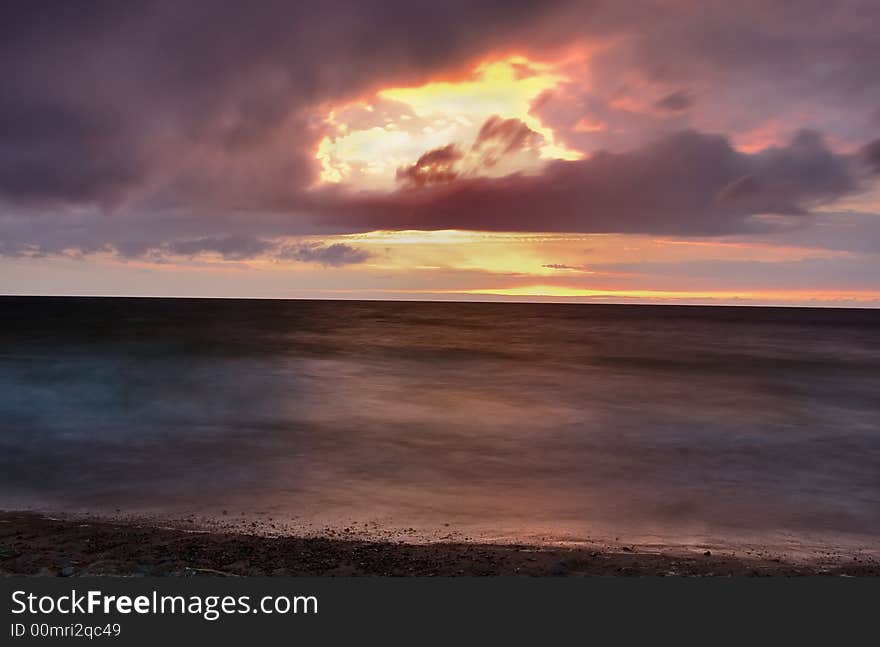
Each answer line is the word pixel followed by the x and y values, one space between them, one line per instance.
pixel 667 424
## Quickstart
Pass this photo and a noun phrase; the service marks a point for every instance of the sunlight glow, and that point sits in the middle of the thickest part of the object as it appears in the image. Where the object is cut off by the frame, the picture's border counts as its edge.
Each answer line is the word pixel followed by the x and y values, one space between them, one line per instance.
pixel 370 139
pixel 647 295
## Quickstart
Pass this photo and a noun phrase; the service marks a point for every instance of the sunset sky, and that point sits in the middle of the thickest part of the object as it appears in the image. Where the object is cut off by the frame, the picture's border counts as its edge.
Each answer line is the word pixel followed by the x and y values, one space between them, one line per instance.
pixel 667 151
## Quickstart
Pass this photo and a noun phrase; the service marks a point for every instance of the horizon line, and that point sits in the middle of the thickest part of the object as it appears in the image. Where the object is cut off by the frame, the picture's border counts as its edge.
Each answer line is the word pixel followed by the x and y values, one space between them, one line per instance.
pixel 455 301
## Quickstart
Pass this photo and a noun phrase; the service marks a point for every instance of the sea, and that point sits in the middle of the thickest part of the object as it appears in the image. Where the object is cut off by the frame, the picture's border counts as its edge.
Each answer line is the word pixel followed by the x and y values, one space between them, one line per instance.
pixel 561 423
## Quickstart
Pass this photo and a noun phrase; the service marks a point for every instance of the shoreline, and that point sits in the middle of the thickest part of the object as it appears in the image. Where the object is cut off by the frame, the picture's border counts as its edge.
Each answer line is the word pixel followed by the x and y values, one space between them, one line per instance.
pixel 38 545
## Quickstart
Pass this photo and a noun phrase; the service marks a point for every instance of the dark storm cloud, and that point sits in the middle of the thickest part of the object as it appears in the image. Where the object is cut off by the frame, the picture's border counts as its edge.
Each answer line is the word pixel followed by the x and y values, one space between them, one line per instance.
pixel 334 255
pixel 437 166
pixel 872 155
pixel 151 125
pixel 54 150
pixel 676 101
pixel 823 48
pixel 104 101
pixel 230 248
pixel 761 70
pixel 509 134
pixel 686 183
pixel 243 248
pixel 499 138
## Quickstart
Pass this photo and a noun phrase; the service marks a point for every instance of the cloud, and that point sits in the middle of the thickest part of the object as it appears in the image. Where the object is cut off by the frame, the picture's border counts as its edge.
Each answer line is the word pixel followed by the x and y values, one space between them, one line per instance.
pixel 238 247
pixel 434 167
pixel 563 266
pixel 334 255
pixel 230 248
pixel 41 137
pixel 872 155
pixel 685 183
pixel 760 70
pixel 113 104
pixel 243 248
pixel 499 137
pixel 854 272
pixel 676 101
pixel 124 126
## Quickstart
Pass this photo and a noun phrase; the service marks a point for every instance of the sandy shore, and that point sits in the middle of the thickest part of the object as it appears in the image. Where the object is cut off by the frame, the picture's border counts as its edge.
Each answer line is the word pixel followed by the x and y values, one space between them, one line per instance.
pixel 31 544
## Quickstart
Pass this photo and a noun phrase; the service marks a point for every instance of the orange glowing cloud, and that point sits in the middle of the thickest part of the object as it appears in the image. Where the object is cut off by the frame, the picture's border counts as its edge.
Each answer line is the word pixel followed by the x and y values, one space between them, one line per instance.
pixel 588 125
pixel 371 139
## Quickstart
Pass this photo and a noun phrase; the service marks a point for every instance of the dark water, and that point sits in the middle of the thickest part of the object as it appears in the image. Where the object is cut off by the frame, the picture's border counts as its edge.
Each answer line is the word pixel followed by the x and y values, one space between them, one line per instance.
pixel 666 422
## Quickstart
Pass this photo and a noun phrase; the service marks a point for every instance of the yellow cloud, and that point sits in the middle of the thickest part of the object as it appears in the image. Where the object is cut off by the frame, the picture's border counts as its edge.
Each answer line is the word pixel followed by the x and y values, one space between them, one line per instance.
pixel 368 145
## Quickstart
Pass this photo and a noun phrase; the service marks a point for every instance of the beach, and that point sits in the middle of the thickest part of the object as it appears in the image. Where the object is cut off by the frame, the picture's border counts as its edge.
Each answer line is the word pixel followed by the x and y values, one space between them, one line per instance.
pixel 37 545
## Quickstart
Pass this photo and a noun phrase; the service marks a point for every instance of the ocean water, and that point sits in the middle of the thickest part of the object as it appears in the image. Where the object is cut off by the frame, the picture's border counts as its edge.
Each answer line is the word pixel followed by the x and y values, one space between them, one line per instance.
pixel 518 421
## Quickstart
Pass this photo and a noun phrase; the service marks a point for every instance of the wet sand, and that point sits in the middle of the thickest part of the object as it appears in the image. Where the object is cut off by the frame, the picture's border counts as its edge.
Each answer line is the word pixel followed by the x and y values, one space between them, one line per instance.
pixel 34 544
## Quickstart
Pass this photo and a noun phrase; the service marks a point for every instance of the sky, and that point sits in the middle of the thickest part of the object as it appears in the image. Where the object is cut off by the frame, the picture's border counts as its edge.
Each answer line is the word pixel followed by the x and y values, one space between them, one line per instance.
pixel 663 151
